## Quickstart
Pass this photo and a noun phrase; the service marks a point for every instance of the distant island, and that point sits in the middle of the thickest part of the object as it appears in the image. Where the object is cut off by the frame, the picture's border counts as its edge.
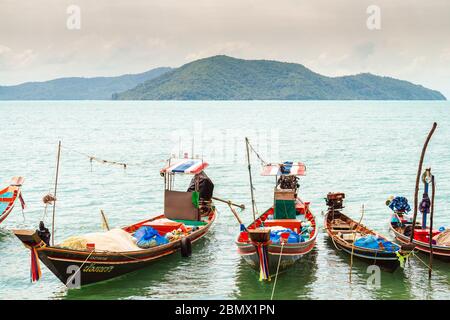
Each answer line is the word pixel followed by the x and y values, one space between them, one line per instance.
pixel 224 78
pixel 77 88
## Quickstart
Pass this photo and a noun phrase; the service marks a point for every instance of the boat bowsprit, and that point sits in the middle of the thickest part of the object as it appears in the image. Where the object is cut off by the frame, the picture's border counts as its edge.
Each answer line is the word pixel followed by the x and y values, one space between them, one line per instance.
pixel 8 197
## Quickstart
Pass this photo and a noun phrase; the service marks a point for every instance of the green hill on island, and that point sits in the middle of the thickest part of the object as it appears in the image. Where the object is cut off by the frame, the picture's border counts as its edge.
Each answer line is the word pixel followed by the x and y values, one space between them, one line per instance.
pixel 227 78
pixel 76 88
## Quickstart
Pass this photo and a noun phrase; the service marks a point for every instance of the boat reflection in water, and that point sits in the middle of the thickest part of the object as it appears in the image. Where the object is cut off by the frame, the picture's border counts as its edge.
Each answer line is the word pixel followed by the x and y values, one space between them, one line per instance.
pixel 286 231
pixel 293 283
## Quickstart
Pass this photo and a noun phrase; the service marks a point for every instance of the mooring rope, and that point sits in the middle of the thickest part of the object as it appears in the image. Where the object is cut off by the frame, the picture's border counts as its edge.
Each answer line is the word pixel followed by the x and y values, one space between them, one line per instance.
pixel 332 239
pixel 278 268
pixel 257 154
pixel 97 159
pixel 423 262
pixel 93 158
pixel 76 272
pixel 353 243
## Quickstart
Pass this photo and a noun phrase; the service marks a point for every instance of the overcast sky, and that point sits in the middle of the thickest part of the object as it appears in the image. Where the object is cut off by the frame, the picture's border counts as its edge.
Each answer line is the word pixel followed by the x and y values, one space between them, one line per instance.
pixel 131 36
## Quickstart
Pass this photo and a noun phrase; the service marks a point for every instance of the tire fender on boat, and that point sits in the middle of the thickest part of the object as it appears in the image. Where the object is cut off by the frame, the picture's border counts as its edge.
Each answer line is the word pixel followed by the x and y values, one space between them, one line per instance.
pixel 186 247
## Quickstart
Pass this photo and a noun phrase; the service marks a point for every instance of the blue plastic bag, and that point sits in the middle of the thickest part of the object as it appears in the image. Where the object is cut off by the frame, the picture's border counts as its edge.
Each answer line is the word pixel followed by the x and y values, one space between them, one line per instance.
pixel 293 236
pixel 400 204
pixel 148 237
pixel 373 242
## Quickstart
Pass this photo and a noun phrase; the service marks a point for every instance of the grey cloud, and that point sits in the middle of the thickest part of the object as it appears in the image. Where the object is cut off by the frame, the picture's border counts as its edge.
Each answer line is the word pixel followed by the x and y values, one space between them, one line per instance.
pixel 125 36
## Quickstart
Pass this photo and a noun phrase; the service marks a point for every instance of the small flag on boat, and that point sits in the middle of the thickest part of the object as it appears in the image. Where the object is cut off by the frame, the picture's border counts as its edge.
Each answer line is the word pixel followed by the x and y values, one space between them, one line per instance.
pixel 263 254
pixel 35 267
pixel 187 166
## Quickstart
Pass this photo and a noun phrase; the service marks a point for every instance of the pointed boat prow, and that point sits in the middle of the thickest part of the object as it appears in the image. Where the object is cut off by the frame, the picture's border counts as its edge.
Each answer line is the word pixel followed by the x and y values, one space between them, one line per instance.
pixel 29 238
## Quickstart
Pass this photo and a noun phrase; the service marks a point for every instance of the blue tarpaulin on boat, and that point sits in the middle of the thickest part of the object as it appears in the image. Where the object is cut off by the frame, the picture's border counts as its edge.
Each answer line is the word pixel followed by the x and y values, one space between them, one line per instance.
pixel 293 236
pixel 374 242
pixel 147 237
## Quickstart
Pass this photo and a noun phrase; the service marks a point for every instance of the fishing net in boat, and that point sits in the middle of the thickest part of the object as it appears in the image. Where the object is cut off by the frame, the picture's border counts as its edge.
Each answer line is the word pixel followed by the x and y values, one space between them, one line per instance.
pixel 115 240
pixel 443 239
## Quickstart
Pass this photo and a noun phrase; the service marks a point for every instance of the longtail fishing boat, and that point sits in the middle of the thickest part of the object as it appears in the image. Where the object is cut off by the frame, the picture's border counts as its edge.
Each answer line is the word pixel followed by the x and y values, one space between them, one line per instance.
pixel 421 234
pixel 286 231
pixel 9 196
pixel 357 240
pixel 87 259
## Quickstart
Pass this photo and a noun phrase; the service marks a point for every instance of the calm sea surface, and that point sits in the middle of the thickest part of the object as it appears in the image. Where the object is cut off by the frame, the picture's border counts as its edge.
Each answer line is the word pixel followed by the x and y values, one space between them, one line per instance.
pixel 369 150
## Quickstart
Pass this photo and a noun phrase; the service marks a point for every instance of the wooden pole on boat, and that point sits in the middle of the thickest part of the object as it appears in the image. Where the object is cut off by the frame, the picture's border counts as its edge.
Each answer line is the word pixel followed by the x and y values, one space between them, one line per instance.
pixel 54 193
pixel 419 171
pixel 105 222
pixel 251 182
pixel 230 203
pixel 433 189
pixel 236 215
pixel 353 243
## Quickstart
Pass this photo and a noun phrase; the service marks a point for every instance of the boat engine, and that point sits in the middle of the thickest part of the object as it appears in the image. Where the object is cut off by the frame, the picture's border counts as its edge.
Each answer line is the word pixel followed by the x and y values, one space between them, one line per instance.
pixel 288 182
pixel 335 200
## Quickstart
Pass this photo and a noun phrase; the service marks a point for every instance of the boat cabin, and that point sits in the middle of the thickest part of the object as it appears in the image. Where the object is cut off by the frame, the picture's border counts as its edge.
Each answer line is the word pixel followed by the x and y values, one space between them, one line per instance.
pixel 193 203
pixel 286 203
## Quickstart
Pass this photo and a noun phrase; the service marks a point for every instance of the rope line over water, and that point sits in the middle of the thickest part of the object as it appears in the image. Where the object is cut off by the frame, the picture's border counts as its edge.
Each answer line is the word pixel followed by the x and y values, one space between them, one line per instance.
pixel 263 162
pixel 93 158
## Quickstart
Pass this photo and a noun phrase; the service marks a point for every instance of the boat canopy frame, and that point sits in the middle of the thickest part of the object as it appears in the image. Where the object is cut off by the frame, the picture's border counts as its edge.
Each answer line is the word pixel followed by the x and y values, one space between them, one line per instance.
pixel 184 166
pixel 287 168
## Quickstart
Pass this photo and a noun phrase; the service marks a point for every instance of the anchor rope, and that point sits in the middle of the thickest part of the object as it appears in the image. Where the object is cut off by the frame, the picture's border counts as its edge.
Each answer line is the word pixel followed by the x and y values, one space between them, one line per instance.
pixel 93 158
pixel 97 159
pixel 76 272
pixel 413 253
pixel 332 239
pixel 263 162
pixel 278 268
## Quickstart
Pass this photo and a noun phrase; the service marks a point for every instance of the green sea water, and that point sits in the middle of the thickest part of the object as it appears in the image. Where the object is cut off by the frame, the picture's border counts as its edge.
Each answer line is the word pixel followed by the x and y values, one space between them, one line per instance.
pixel 369 150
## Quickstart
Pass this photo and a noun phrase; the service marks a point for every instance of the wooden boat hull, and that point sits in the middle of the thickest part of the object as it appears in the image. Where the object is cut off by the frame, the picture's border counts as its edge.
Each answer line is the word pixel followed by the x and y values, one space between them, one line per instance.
pixel 289 256
pixel 387 261
pixel 77 268
pixel 290 253
pixel 441 253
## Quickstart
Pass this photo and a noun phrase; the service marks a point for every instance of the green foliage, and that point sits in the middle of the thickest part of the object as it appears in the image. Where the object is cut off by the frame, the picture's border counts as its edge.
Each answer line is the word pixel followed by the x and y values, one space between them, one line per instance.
pixel 226 78
pixel 223 78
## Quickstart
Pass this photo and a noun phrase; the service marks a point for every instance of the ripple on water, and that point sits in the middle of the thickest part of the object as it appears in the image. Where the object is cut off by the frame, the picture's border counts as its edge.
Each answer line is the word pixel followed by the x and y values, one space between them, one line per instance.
pixel 360 148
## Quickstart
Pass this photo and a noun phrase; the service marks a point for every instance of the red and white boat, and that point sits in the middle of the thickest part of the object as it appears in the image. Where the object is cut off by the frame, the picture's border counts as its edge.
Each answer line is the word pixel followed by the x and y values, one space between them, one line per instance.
pixel 283 233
